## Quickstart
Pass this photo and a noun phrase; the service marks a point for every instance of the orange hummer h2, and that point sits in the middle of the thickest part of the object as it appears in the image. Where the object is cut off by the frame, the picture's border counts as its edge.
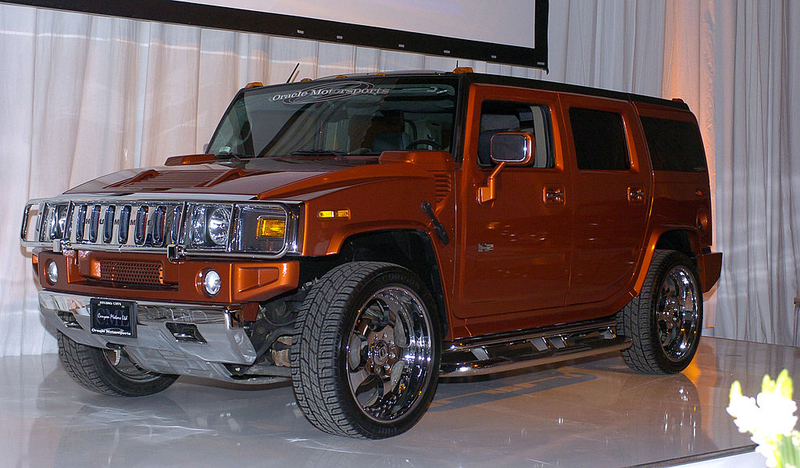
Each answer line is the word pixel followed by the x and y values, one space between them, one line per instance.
pixel 363 236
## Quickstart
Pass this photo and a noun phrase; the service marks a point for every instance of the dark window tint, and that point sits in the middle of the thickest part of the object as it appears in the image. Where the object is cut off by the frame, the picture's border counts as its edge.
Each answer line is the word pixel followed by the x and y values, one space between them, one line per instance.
pixel 507 116
pixel 674 145
pixel 599 140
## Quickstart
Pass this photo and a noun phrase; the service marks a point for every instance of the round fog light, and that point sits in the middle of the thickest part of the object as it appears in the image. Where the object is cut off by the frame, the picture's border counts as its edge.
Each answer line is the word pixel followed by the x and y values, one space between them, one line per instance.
pixel 212 283
pixel 51 271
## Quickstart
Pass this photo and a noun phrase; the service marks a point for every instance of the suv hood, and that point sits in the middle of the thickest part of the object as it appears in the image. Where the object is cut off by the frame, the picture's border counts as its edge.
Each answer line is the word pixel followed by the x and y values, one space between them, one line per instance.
pixel 295 179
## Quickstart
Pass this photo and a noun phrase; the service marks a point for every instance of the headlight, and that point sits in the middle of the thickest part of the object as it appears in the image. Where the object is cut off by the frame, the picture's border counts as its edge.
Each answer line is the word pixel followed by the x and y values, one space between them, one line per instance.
pixel 219 223
pixel 241 227
pixel 209 226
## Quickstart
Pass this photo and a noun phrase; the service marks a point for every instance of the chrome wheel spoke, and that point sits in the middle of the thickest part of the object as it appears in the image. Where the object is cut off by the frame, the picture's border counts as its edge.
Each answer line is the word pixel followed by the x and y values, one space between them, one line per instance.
pixel 356 345
pixel 396 376
pixel 389 353
pixel 361 380
pixel 399 335
pixel 369 391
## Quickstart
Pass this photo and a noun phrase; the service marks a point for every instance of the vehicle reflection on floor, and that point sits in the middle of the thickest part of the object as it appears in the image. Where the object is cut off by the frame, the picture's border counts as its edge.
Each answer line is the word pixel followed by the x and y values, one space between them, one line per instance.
pixel 594 411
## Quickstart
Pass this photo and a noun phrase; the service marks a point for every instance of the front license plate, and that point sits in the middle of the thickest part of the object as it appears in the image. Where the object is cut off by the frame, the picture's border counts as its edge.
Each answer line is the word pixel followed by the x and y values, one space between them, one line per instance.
pixel 115 318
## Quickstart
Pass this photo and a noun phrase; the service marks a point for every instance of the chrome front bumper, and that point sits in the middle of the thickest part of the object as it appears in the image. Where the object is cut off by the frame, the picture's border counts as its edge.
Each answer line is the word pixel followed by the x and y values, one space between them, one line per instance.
pixel 183 339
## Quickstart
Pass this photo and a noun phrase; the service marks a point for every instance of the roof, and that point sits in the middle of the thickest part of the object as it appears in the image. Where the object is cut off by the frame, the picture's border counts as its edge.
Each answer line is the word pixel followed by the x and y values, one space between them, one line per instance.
pixel 524 83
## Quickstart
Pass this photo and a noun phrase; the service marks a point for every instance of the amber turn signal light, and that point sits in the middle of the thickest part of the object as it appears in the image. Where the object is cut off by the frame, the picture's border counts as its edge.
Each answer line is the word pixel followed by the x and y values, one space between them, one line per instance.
pixel 331 214
pixel 270 228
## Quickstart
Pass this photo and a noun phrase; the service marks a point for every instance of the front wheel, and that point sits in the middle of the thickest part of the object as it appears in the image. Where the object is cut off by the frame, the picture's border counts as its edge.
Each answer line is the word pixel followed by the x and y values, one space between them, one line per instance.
pixel 107 371
pixel 365 358
pixel 664 321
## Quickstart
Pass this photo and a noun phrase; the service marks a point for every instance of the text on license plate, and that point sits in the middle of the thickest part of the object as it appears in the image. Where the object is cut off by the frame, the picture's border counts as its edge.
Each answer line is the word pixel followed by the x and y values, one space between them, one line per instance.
pixel 115 318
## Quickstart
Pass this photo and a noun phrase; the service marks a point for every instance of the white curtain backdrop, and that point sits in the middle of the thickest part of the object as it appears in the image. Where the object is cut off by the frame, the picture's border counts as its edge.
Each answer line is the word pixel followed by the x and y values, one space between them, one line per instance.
pixel 756 92
pixel 84 95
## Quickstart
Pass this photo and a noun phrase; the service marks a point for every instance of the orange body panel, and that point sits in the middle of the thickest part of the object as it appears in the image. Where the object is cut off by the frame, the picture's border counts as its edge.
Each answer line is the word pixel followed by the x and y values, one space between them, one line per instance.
pixel 174 282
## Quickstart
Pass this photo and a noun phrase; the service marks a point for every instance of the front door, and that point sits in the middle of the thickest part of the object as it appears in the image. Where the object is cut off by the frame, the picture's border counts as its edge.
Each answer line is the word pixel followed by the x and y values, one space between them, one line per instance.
pixel 514 251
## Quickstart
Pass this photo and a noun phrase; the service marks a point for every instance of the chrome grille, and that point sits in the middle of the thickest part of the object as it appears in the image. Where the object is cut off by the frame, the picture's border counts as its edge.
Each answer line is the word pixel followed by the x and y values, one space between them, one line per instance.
pixel 153 224
pixel 176 227
pixel 144 273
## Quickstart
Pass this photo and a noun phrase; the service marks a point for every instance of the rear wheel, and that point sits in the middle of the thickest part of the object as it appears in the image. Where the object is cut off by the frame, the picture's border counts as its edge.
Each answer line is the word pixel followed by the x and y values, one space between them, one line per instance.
pixel 665 319
pixel 108 371
pixel 365 360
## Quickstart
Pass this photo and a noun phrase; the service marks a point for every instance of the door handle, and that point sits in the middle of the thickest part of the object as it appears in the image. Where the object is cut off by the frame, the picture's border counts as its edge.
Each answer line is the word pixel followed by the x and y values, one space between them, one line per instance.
pixel 553 195
pixel 635 195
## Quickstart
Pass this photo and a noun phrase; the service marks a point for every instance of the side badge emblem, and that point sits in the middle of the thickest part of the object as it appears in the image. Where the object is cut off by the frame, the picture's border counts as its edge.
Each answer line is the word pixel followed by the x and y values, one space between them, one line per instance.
pixel 485 247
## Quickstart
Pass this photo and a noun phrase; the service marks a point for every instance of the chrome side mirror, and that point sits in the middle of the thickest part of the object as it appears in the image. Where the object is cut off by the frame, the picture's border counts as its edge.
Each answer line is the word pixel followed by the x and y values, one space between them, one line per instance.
pixel 506 148
pixel 512 148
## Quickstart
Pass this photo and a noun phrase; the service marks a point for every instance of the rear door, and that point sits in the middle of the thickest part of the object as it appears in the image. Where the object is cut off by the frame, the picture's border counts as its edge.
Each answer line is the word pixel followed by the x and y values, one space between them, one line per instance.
pixel 612 197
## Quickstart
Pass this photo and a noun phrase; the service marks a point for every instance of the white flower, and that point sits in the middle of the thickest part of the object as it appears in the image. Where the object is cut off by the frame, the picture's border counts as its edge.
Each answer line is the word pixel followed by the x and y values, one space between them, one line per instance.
pixel 769 454
pixel 743 409
pixel 776 415
pixel 769 418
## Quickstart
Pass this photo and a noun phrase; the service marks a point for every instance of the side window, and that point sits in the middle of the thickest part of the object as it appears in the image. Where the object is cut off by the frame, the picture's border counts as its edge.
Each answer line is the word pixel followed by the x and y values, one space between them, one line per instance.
pixel 507 116
pixel 599 140
pixel 674 145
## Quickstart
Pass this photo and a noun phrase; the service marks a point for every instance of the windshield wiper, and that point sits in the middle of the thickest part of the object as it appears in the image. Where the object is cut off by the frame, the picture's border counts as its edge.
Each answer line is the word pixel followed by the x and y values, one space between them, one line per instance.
pixel 233 156
pixel 319 152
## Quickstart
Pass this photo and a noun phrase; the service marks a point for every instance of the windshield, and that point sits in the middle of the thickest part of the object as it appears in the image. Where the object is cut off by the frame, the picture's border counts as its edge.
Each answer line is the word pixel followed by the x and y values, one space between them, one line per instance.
pixel 337 118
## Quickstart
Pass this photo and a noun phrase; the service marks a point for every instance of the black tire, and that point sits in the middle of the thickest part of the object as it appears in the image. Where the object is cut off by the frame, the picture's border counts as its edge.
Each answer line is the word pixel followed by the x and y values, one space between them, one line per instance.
pixel 108 371
pixel 365 358
pixel 665 320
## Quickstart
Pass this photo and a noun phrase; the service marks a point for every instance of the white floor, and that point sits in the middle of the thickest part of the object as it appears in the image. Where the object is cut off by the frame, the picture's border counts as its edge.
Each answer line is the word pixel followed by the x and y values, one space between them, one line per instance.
pixel 593 413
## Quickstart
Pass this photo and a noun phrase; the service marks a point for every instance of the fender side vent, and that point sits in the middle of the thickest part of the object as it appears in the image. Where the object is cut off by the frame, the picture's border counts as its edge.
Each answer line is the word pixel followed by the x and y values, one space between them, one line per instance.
pixel 444 185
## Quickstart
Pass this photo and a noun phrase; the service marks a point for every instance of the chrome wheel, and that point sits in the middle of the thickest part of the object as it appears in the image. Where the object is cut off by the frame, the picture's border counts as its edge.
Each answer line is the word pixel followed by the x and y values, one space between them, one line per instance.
pixel 389 353
pixel 366 361
pixel 664 322
pixel 677 314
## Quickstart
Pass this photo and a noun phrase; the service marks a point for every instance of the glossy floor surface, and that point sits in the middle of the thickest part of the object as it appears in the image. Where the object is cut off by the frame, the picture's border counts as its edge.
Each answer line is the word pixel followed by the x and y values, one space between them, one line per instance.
pixel 591 413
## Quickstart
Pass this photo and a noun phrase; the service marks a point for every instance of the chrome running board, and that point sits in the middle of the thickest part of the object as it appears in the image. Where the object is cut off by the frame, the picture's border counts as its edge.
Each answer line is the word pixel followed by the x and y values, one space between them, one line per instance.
pixel 490 354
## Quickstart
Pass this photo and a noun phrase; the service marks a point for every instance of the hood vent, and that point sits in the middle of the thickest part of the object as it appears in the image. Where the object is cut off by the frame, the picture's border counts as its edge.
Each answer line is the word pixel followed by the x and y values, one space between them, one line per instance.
pixel 152 180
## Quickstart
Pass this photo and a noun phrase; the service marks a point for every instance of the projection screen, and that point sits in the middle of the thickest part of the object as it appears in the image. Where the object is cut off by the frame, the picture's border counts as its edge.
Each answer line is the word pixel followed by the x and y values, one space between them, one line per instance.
pixel 504 31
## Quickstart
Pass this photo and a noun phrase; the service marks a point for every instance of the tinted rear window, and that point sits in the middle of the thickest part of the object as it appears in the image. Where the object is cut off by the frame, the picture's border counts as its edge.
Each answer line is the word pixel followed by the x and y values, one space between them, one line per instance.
pixel 674 145
pixel 599 140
